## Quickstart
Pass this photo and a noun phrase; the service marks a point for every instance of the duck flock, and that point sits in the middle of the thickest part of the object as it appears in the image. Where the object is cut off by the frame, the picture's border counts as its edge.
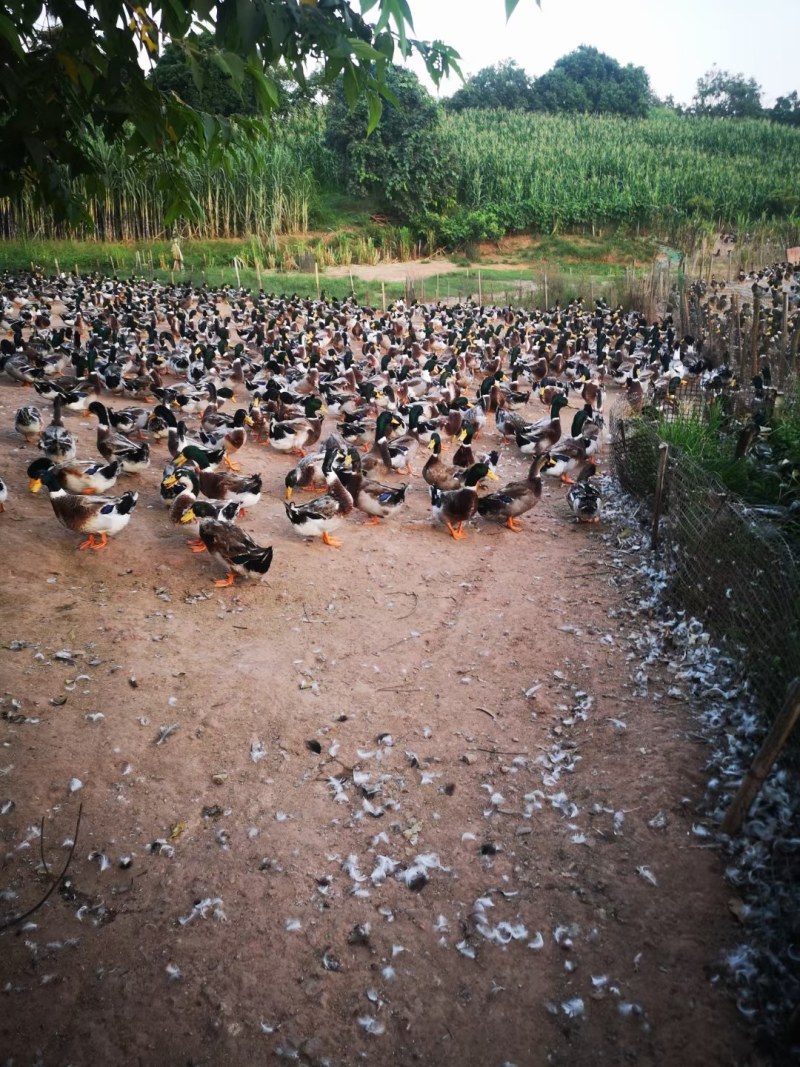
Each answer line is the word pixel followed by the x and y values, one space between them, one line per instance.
pixel 357 395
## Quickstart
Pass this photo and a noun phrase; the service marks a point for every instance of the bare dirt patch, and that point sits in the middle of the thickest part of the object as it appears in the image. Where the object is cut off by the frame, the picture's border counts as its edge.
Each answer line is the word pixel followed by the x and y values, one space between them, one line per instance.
pixel 398 665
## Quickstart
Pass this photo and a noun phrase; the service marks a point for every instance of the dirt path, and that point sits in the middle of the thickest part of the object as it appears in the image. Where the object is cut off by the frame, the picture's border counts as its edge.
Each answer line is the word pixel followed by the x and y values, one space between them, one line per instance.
pixel 535 806
pixel 411 269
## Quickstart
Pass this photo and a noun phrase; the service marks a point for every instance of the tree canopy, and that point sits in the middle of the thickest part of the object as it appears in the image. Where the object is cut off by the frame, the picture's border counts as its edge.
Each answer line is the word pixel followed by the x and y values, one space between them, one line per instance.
pixel 69 68
pixel 590 81
pixel 505 85
pixel 727 95
pixel 787 110
pixel 403 161
pixel 586 81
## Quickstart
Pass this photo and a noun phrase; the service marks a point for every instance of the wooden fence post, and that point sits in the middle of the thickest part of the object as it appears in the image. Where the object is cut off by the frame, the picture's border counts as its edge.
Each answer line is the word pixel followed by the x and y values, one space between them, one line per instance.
pixel 754 337
pixel 785 342
pixel 762 764
pixel 663 453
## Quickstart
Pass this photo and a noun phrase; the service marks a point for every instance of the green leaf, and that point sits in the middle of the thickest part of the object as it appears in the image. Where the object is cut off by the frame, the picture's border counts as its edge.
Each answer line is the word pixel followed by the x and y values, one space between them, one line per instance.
pixel 351 86
pixel 375 111
pixel 265 88
pixel 8 31
pixel 363 50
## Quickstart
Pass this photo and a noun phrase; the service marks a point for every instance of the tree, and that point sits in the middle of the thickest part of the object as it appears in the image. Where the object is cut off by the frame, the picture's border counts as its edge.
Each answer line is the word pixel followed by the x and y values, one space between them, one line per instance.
pixel 787 110
pixel 727 95
pixel 214 92
pixel 591 81
pixel 505 85
pixel 404 160
pixel 70 67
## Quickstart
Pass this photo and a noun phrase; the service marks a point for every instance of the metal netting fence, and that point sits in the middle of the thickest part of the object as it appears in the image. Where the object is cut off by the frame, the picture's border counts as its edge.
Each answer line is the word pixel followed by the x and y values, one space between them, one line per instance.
pixel 725 564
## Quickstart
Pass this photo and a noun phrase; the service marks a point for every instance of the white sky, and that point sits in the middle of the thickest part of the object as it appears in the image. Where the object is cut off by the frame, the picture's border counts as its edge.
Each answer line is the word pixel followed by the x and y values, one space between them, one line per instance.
pixel 676 41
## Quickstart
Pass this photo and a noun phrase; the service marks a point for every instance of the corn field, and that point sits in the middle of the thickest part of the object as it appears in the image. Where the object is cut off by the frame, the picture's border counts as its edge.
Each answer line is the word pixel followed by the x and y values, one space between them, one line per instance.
pixel 552 172
pixel 543 173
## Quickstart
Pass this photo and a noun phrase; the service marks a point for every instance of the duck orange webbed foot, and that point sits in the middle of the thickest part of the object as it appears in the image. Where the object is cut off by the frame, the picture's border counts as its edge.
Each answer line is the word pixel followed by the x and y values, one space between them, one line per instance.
pixel 458 532
pixel 512 524
pixel 328 540
pixel 229 579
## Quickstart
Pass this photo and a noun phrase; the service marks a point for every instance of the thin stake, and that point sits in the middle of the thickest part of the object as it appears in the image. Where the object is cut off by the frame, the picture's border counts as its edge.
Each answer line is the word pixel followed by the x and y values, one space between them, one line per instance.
pixel 759 770
pixel 663 452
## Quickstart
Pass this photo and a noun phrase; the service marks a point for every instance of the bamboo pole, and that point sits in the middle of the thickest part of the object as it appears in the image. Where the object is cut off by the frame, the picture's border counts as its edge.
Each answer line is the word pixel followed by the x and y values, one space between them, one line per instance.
pixel 236 268
pixel 663 453
pixel 759 769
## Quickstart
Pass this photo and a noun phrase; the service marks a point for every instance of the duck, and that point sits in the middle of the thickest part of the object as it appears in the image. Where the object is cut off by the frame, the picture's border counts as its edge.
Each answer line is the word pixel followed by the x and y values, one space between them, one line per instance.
pixel 215 485
pixel 437 472
pixel 584 498
pixel 396 454
pixel 133 458
pixel 515 498
pixel 306 475
pixel 384 424
pixel 581 418
pixel 83 477
pixel 507 422
pixel 56 441
pixel 457 506
pixel 541 437
pixel 235 549
pixel 569 456
pixel 318 517
pixel 231 438
pixel 100 517
pixel 376 500
pixel 186 508
pixel 28 422
pixel 295 435
pixel 3 495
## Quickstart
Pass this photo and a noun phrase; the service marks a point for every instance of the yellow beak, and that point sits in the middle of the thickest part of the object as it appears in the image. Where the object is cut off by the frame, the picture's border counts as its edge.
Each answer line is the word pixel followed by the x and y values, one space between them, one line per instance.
pixel 492 475
pixel 288 492
pixel 35 484
pixel 188 516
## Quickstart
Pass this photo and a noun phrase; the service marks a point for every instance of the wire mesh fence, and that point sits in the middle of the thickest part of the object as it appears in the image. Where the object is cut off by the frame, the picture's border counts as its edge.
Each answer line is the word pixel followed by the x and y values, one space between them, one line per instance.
pixel 725 564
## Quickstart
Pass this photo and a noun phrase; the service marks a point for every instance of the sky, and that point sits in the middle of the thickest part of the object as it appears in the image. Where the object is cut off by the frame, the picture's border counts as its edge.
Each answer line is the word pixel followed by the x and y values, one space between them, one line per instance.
pixel 676 41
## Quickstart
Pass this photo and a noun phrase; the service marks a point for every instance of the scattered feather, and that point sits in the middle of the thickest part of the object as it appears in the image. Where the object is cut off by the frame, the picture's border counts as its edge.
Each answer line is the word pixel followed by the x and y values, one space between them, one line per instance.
pixel 647 875
pixel 371 1025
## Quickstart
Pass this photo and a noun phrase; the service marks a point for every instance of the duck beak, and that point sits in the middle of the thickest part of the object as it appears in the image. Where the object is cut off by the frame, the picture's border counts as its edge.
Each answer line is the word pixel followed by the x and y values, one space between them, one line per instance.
pixel 288 492
pixel 169 482
pixel 249 421
pixel 35 484
pixel 188 516
pixel 492 475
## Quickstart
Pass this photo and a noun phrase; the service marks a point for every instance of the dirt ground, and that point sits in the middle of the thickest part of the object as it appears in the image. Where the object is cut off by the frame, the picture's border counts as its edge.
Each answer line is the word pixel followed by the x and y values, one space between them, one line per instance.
pixel 226 902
